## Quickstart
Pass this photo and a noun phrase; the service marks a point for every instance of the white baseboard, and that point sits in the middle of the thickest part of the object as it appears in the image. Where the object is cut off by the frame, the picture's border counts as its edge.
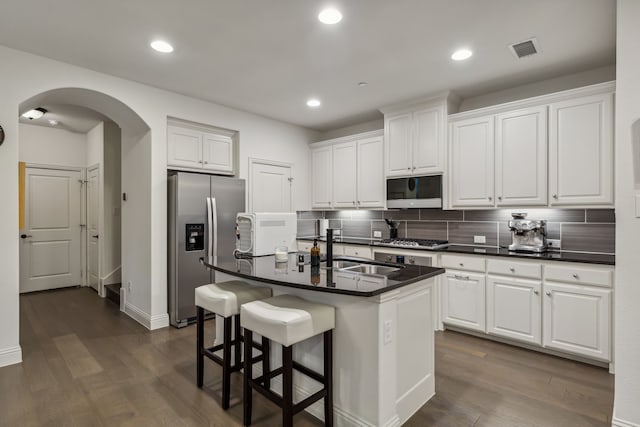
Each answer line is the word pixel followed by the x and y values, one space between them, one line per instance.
pixel 617 422
pixel 10 356
pixel 145 319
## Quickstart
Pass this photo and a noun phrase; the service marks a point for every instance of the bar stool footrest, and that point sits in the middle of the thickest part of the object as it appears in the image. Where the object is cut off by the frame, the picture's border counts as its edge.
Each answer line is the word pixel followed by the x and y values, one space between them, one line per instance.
pixel 300 406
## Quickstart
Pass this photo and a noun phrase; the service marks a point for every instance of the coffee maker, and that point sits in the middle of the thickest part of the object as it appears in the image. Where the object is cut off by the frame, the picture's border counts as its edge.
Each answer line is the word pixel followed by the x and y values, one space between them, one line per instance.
pixel 527 235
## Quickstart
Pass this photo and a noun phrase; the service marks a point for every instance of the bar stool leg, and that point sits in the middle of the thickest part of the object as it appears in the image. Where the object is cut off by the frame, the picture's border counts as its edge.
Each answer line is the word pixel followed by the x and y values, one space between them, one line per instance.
pixel 266 361
pixel 248 375
pixel 200 346
pixel 238 347
pixel 226 363
pixel 328 378
pixel 287 386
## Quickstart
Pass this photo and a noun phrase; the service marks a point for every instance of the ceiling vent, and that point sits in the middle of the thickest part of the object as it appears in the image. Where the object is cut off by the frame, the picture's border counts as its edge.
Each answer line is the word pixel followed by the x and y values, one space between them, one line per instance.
pixel 525 48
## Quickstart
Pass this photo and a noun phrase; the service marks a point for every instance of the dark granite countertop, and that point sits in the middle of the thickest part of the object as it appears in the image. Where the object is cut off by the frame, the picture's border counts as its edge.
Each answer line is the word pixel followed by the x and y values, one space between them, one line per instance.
pixel 265 269
pixel 565 256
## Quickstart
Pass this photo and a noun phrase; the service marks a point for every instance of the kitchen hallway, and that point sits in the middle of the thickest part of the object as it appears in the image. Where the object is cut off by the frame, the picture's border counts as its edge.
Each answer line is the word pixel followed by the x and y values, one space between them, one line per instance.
pixel 86 363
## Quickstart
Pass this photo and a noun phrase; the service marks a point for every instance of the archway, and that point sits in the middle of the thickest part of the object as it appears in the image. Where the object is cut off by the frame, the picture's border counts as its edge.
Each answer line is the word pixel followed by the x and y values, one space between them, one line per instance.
pixel 136 182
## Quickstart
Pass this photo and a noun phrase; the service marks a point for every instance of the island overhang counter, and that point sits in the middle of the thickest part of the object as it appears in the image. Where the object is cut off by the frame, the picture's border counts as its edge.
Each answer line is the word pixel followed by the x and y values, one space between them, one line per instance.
pixel 383 340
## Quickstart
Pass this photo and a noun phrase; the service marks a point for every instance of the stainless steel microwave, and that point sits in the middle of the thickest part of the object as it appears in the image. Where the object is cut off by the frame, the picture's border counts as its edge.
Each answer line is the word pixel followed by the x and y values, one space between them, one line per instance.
pixel 415 192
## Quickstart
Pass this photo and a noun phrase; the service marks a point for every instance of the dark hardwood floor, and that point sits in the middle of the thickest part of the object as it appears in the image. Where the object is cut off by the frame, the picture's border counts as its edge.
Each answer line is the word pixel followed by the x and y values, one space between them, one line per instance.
pixel 87 364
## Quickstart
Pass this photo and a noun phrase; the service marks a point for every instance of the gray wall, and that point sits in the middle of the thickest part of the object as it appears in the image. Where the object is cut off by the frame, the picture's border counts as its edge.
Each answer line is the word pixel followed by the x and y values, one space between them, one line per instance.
pixel 584 230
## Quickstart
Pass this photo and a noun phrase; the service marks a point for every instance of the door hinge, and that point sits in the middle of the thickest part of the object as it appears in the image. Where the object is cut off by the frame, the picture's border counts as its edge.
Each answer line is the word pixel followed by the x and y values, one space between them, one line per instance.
pixel 82 181
pixel 290 179
pixel 83 225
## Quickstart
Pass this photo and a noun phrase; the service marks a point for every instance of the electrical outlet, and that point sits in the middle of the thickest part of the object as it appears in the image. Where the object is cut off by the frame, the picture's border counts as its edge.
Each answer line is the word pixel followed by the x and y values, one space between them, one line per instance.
pixel 480 239
pixel 377 234
pixel 337 232
pixel 129 287
pixel 554 243
pixel 388 325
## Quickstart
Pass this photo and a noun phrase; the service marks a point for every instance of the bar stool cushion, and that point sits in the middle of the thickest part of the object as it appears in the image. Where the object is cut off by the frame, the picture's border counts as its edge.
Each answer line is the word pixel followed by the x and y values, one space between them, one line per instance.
pixel 226 298
pixel 287 319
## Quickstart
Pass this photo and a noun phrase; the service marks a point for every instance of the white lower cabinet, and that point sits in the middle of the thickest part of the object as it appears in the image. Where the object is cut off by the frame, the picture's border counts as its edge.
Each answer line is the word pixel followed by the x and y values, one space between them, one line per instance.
pixel 463 299
pixel 514 308
pixel 577 320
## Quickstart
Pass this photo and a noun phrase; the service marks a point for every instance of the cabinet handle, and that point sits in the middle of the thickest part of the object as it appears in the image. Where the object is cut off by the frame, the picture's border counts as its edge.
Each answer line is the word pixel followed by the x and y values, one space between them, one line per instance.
pixel 548 293
pixel 413 168
pixel 354 202
pixel 461 265
pixel 200 161
pixel 575 275
pixel 206 162
pixel 460 277
pixel 500 198
pixel 511 269
pixel 408 169
pixel 536 293
pixel 555 196
pixel 490 198
pixel 359 202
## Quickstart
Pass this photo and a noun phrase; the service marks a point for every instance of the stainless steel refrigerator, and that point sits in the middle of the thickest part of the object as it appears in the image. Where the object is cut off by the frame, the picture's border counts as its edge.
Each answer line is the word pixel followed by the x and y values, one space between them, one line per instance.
pixel 202 219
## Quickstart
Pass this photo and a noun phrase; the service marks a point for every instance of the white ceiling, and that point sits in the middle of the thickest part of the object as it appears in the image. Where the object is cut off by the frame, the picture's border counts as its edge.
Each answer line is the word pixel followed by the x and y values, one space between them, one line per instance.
pixel 268 57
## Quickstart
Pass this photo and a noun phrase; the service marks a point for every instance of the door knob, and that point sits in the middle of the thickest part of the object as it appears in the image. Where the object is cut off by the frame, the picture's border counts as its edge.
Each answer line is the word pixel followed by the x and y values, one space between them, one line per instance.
pixel 548 293
pixel 25 236
pixel 96 236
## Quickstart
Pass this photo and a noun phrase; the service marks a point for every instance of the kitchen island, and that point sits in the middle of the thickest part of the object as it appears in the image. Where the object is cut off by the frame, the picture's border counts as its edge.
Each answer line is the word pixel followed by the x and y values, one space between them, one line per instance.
pixel 383 339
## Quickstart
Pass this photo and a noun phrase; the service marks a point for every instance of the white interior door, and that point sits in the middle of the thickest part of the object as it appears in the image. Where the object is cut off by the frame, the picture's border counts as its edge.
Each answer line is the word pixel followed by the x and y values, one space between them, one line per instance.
pixel 50 241
pixel 93 220
pixel 270 187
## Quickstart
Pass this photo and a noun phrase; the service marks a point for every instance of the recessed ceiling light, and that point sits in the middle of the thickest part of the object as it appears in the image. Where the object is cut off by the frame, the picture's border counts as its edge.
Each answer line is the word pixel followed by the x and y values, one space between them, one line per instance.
pixel 461 54
pixel 313 103
pixel 330 16
pixel 53 122
pixel 161 46
pixel 36 113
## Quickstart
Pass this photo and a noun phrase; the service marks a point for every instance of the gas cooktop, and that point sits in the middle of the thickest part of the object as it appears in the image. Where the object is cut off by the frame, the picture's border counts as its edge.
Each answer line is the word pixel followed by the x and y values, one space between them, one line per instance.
pixel 414 243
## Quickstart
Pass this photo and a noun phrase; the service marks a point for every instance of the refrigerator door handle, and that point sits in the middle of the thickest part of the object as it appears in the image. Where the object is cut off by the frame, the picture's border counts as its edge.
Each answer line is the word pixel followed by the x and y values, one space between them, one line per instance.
pixel 209 228
pixel 214 216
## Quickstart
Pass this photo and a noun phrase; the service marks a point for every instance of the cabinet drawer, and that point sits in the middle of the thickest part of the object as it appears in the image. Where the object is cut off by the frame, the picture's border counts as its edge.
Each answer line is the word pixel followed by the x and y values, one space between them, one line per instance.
pixel 358 251
pixel 510 268
pixel 458 262
pixel 578 275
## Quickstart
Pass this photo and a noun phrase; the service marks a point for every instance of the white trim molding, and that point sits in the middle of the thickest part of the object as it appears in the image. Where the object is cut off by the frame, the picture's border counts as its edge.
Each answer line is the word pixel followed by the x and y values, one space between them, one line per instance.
pixel 617 422
pixel 157 321
pixel 10 356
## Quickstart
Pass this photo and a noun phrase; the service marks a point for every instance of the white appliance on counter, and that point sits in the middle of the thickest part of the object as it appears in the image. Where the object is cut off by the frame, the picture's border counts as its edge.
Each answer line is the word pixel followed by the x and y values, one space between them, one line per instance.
pixel 259 233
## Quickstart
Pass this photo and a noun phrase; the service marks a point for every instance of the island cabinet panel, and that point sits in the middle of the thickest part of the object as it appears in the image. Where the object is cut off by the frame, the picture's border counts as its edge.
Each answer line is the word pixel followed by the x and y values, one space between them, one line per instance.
pixel 577 320
pixel 463 299
pixel 581 151
pixel 514 308
pixel 321 177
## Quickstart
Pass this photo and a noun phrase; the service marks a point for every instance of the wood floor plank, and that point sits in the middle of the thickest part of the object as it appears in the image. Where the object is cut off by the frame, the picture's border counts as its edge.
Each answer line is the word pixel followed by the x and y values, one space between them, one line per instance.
pixel 88 364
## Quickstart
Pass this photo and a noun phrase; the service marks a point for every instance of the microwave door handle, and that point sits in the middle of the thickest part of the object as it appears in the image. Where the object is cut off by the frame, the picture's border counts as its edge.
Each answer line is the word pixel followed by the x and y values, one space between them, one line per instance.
pixel 209 228
pixel 214 217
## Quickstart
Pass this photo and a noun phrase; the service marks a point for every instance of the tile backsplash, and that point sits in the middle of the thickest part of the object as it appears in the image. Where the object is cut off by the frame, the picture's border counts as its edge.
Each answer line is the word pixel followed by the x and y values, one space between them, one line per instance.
pixel 583 230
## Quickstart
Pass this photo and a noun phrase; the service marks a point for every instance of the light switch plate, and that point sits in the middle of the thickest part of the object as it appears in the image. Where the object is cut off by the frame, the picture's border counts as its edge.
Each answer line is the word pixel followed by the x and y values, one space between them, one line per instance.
pixel 377 234
pixel 480 239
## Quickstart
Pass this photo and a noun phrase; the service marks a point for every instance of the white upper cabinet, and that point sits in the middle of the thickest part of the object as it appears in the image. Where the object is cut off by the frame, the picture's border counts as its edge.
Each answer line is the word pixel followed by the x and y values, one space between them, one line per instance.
pixel 371 183
pixel 521 157
pixel 184 147
pixel 472 156
pixel 415 138
pixel 553 150
pixel 321 177
pixel 348 172
pixel 345 175
pixel 200 150
pixel 581 151
pixel 217 153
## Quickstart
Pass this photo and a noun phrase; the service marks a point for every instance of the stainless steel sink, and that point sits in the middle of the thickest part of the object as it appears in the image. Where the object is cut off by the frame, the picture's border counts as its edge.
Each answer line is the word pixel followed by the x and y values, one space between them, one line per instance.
pixel 382 270
pixel 342 264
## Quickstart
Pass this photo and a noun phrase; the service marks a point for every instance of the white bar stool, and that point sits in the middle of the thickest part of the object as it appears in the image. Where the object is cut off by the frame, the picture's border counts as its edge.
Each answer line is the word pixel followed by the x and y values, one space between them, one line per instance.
pixel 287 320
pixel 225 299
